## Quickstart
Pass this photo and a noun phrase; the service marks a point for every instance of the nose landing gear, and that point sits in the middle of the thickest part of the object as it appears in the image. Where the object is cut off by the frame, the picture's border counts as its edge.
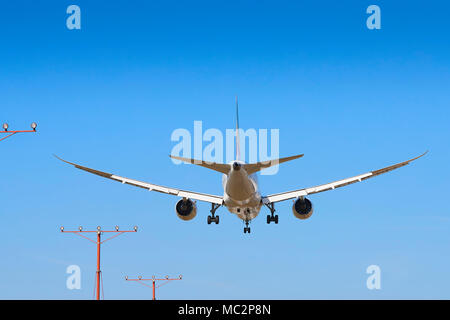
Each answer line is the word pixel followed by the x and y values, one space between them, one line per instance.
pixel 246 228
pixel 247 221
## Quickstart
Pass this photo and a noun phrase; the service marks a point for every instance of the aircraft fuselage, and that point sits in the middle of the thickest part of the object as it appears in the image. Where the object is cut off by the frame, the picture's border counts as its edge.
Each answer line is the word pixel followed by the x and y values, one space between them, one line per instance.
pixel 241 194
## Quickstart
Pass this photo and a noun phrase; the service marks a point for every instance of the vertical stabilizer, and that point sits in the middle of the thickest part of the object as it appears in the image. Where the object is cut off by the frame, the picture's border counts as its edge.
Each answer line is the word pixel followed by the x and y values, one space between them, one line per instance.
pixel 237 131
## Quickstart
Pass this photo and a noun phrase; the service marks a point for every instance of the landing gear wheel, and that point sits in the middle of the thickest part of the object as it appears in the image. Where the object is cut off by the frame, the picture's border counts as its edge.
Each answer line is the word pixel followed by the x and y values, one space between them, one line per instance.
pixel 213 217
pixel 271 218
pixel 246 228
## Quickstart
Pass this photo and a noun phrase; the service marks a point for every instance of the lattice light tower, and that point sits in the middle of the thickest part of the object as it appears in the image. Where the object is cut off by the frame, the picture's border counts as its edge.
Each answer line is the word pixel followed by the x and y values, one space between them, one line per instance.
pixel 10 133
pixel 154 280
pixel 99 242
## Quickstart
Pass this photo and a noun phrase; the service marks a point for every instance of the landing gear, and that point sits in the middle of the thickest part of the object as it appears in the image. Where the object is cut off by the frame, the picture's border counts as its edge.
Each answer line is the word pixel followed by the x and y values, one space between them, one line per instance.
pixel 213 217
pixel 246 228
pixel 271 217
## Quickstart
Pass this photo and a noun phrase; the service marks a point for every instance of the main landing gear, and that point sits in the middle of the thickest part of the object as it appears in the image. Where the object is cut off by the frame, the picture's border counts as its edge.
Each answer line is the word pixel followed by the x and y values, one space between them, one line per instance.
pixel 271 217
pixel 213 217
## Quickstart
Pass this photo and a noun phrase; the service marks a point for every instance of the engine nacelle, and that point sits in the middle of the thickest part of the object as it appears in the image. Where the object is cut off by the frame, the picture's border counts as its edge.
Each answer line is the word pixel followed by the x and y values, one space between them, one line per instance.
pixel 302 208
pixel 186 209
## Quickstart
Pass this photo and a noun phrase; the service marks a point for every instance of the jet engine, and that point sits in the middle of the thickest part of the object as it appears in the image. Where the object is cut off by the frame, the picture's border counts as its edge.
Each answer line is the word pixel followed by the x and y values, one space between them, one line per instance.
pixel 186 209
pixel 302 208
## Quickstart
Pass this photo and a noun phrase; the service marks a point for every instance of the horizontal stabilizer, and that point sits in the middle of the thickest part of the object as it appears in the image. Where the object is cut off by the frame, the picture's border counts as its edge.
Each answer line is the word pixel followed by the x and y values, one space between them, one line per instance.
pixel 255 167
pixel 219 167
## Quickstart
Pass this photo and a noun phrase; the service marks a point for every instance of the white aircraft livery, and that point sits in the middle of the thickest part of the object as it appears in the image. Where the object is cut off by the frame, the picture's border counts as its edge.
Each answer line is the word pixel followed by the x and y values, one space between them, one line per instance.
pixel 241 195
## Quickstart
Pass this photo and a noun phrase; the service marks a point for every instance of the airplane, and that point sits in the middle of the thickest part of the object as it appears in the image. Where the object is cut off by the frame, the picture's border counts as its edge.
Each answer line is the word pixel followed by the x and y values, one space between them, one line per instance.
pixel 241 194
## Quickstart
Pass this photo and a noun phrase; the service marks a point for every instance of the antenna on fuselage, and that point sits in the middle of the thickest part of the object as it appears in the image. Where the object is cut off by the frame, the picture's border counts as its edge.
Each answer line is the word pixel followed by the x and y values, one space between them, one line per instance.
pixel 237 130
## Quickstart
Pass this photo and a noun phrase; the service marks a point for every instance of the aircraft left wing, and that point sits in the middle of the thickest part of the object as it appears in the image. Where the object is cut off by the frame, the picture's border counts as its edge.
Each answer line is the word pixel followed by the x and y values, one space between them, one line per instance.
pixel 333 185
pixel 152 187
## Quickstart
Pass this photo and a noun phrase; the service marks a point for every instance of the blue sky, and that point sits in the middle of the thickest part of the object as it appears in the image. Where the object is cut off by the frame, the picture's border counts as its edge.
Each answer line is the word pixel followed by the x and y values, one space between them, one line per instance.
pixel 110 95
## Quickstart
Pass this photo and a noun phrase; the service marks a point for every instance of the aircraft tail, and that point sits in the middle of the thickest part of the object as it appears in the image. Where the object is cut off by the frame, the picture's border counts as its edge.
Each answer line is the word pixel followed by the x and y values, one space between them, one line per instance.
pixel 249 167
pixel 237 131
pixel 255 167
pixel 219 167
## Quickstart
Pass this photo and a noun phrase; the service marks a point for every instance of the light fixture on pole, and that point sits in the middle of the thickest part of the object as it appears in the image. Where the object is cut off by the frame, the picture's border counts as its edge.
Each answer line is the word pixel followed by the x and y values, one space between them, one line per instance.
pixel 13 132
pixel 99 242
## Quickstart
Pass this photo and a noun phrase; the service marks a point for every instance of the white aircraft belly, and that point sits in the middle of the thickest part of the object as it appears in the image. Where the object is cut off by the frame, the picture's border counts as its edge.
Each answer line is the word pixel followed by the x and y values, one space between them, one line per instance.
pixel 245 210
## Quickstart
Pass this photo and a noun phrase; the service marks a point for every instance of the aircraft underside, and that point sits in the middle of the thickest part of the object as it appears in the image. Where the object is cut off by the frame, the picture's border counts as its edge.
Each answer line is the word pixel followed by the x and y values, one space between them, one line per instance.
pixel 245 212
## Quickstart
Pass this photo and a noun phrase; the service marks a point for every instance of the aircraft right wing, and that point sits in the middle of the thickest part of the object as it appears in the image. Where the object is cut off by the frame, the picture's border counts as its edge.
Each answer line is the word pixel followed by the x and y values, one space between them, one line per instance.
pixel 333 185
pixel 151 187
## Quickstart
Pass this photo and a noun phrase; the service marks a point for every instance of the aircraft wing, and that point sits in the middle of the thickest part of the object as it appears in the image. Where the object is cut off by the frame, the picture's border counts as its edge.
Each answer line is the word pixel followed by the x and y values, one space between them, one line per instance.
pixel 333 185
pixel 152 187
